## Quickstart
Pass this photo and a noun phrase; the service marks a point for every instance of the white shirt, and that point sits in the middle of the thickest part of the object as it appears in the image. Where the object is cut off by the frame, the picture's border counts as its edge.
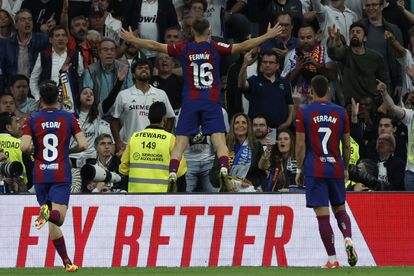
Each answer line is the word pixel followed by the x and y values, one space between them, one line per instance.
pixel 132 105
pixel 215 10
pixel 91 131
pixel 112 28
pixel 147 24
pixel 57 62
pixel 328 16
pixel 407 84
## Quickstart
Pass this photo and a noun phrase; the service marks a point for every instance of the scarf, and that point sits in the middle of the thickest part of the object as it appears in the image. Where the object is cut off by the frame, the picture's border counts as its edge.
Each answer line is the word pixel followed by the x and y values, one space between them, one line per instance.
pixel 241 162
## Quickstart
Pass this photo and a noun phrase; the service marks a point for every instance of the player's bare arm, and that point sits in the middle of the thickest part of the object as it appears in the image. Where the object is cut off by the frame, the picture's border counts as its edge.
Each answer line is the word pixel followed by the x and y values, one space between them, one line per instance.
pixel 388 102
pixel 26 144
pixel 253 42
pixel 82 143
pixel 142 43
pixel 300 150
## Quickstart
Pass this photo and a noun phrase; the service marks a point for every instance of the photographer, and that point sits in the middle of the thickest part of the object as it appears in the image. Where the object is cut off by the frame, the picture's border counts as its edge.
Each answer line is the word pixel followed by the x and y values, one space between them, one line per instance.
pixel 107 161
pixel 10 148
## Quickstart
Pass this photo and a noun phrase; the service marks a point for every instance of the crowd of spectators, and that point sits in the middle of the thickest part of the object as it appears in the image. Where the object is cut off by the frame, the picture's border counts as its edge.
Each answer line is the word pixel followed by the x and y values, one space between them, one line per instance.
pixel 364 47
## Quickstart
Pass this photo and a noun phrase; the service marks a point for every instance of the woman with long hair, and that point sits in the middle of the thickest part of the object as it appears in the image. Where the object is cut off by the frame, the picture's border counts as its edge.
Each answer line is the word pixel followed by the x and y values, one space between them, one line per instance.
pixel 91 124
pixel 6 24
pixel 279 163
pixel 244 156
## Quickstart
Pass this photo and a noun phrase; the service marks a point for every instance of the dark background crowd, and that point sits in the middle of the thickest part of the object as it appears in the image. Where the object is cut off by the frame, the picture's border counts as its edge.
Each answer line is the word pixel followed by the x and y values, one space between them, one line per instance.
pixel 354 43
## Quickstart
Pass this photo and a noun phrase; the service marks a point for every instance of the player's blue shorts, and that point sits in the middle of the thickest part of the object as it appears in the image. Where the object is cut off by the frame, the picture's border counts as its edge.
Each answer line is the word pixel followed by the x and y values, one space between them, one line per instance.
pixel 206 114
pixel 321 191
pixel 58 193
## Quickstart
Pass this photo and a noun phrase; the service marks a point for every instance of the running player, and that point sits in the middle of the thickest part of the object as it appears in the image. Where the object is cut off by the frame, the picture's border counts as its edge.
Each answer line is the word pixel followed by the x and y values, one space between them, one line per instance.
pixel 320 127
pixel 49 132
pixel 200 61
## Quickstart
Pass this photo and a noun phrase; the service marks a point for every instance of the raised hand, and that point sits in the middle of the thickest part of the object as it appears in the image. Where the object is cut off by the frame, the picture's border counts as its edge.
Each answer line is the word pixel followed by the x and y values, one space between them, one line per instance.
pixel 275 31
pixel 381 87
pixel 355 107
pixel 122 73
pixel 248 58
pixel 127 35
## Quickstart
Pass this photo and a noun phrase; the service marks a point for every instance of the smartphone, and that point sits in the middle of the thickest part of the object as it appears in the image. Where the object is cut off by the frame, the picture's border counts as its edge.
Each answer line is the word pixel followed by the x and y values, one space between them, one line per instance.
pixel 272 135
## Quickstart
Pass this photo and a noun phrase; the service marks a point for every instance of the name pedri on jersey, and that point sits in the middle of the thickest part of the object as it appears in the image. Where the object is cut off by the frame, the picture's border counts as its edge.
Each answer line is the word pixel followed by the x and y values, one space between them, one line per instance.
pixel 324 124
pixel 200 63
pixel 51 130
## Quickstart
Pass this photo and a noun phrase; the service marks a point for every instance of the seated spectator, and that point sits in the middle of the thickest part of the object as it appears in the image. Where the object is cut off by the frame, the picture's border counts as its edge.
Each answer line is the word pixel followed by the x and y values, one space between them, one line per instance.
pixel 103 145
pixel 390 167
pixel 186 27
pixel 10 132
pixel 280 165
pixel 91 124
pixel 244 155
pixel 7 103
pixel 20 90
pixel 406 116
pixel 386 125
pixel 262 132
pixel 6 24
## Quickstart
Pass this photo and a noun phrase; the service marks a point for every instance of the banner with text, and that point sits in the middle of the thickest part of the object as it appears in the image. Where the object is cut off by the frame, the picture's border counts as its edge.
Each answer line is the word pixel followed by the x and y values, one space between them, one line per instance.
pixel 104 230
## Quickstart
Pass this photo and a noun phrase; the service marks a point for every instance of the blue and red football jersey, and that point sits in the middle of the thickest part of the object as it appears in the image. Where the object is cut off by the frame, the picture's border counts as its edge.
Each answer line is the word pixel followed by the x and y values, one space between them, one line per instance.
pixel 324 124
pixel 200 63
pixel 51 130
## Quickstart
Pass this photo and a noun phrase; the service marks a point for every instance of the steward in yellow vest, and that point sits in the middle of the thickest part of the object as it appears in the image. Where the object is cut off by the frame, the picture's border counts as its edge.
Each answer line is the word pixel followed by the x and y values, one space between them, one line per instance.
pixel 10 145
pixel 147 155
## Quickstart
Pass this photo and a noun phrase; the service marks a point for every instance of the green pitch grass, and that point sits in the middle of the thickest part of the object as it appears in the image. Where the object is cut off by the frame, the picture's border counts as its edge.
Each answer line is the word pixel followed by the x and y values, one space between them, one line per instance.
pixel 219 271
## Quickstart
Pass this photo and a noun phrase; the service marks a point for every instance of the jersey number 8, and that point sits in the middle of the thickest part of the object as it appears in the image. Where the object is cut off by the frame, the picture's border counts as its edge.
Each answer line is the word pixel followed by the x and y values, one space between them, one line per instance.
pixel 50 143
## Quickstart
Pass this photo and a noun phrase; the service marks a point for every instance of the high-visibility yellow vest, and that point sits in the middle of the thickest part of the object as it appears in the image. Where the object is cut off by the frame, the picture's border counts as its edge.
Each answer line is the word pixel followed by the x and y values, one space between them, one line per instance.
pixel 11 148
pixel 354 156
pixel 146 160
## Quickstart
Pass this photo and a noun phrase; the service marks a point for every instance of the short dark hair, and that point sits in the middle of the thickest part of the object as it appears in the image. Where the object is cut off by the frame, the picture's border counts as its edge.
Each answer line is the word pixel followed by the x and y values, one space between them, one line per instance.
pixel 203 2
pixel 358 24
pixel 5 119
pixel 17 16
pixel 320 85
pixel 106 39
pixel 306 24
pixel 279 14
pixel 57 28
pixel 393 120
pixel 200 25
pixel 140 62
pixel 269 53
pixel 101 137
pixel 49 92
pixel 17 78
pixel 261 116
pixel 156 112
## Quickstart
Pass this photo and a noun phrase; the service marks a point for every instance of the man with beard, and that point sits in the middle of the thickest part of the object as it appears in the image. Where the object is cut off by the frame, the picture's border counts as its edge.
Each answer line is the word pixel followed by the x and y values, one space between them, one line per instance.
pixel 79 30
pixel 132 105
pixel 361 67
pixel 335 13
pixel 306 61
pixel 262 132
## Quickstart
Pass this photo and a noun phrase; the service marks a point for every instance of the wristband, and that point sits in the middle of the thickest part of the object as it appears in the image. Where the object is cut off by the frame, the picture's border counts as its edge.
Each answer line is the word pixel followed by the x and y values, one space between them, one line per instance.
pixel 298 171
